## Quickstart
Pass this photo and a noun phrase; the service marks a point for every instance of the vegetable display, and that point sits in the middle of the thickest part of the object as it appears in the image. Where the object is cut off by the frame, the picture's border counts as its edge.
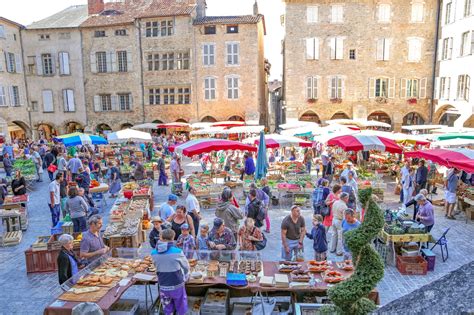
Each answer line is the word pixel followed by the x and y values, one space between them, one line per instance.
pixel 27 167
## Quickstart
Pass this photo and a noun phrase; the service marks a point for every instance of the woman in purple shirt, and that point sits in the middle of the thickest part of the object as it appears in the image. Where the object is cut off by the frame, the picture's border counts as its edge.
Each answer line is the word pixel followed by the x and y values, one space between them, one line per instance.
pixel 425 212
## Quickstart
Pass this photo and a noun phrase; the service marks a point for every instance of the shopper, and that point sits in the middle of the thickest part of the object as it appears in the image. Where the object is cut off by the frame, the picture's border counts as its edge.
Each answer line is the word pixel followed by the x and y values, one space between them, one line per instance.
pixel 77 209
pixel 7 164
pixel 180 218
pixel 338 209
pixel 332 197
pixel 115 184
pixel 320 193
pixel 221 237
pixel 408 185
pixel 431 186
pixel 266 190
pixel 186 241
pixel 421 177
pixel 293 231
pixel 18 184
pixel 154 236
pixel 308 159
pixel 92 245
pixel 451 186
pixel 330 169
pixel 194 209
pixel 349 223
pixel 167 209
pixel 172 269
pixel 248 234
pixel 68 263
pixel 249 166
pixel 413 203
pixel 228 212
pixel 36 157
pixel 62 164
pixel 49 159
pixel 349 168
pixel 162 169
pixel 345 187
pixel 139 173
pixel 255 208
pixel 74 165
pixel 55 198
pixel 203 238
pixel 425 212
pixel 318 235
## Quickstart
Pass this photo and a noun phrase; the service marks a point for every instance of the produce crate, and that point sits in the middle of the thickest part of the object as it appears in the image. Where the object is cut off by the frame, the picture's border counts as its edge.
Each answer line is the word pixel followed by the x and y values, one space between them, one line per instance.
pixel 41 261
pixel 41 243
pixel 215 306
pixel 11 238
pixel 124 307
pixel 412 265
pixel 68 228
pixel 115 242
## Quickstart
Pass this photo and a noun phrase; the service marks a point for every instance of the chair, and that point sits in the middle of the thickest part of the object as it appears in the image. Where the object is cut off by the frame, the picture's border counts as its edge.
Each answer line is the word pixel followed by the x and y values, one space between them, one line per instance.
pixel 443 244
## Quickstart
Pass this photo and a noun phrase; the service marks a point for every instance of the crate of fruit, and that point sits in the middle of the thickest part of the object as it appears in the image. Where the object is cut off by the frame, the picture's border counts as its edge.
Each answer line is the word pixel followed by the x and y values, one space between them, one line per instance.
pixel 408 265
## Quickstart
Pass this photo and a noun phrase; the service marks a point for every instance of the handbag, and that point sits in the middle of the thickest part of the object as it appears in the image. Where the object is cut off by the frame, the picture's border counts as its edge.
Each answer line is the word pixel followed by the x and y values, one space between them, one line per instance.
pixel 259 245
pixel 261 305
pixel 52 168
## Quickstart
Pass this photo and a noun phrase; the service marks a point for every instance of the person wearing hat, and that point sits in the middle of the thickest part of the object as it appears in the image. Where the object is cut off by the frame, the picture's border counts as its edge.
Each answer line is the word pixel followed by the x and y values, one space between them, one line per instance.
pixel 221 237
pixel 186 241
pixel 349 168
pixel 154 236
pixel 167 209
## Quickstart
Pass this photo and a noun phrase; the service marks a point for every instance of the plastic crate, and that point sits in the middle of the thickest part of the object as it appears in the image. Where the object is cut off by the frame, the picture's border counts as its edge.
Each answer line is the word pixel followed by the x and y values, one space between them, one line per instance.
pixel 41 261
pixel 412 265
pixel 124 307
pixel 430 258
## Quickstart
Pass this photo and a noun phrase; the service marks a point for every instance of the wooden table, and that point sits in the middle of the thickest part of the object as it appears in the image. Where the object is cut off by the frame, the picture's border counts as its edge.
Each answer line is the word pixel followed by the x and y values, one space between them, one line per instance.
pixel 404 238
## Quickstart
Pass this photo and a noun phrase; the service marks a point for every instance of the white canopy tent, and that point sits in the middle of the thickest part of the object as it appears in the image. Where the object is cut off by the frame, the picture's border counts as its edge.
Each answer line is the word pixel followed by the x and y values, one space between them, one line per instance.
pixel 145 126
pixel 452 143
pixel 298 124
pixel 421 127
pixel 207 131
pixel 129 135
pixel 359 122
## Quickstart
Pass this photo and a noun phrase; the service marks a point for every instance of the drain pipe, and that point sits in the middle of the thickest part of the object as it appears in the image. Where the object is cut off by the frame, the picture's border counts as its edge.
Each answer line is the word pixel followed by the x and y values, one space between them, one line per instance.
pixel 435 61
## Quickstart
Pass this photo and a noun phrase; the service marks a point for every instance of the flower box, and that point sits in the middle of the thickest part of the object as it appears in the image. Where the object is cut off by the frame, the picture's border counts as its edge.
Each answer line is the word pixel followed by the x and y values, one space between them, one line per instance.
pixel 412 101
pixel 336 100
pixel 312 100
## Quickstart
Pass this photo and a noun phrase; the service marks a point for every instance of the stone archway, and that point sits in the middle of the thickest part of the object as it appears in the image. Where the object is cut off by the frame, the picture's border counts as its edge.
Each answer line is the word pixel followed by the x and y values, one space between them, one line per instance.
pixel 236 118
pixel 413 118
pixel 103 129
pixel 209 119
pixel 73 126
pixel 469 123
pixel 181 120
pixel 340 115
pixel 444 116
pixel 125 126
pixel 380 116
pixel 46 130
pixel 18 130
pixel 310 116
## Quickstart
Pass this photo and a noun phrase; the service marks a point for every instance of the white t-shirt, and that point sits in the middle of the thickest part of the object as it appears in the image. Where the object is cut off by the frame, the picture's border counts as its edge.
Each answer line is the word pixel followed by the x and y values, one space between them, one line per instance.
pixel 192 203
pixel 54 187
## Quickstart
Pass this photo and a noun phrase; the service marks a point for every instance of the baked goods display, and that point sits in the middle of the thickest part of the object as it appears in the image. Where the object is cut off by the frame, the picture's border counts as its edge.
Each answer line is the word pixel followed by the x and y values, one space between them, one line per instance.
pixel 288 266
pixel 332 276
pixel 300 276
pixel 216 297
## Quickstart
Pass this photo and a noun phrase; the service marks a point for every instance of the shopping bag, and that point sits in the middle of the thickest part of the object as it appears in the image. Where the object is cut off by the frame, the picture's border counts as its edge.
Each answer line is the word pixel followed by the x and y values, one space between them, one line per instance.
pixel 52 168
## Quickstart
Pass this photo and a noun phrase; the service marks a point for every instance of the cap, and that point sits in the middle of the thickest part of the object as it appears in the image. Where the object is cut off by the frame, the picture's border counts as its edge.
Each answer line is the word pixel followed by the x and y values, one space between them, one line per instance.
pixel 166 225
pixel 156 219
pixel 218 223
pixel 185 226
pixel 172 197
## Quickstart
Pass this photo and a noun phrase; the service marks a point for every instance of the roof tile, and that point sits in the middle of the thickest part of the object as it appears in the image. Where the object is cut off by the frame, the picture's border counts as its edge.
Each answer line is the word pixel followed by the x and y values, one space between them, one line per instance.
pixel 241 19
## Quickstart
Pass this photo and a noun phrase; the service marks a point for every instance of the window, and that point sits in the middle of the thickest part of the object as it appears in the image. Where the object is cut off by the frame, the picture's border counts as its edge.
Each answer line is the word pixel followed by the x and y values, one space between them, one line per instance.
pixel 14 96
pixel 153 62
pixel 467 41
pixel 352 54
pixel 468 9
pixel 208 53
pixel 121 32
pixel 444 88
pixel 312 48
pixel 384 13
pixel 122 61
pixel 413 88
pixel 447 50
pixel 337 48
pixel 337 13
pixel 336 87
pixel 182 61
pixel 65 35
pixel 152 29
pixel 68 101
pixel 464 82
pixel 48 106
pixel 99 34
pixel 414 50
pixel 383 49
pixel 184 95
pixel 232 29
pixel 209 88
pixel 154 96
pixel 167 61
pixel 10 60
pixel 101 61
pixel 3 98
pixel 34 106
pixel 381 87
pixel 232 54
pixel 210 30
pixel 447 13
pixel 159 28
pixel 168 96
pixel 47 61
pixel 166 28
pixel 125 101
pixel 64 68
pixel 312 14
pixel 232 88
pixel 31 64
pixel 44 37
pixel 105 102
pixel 417 12
pixel 312 88
pixel 2 31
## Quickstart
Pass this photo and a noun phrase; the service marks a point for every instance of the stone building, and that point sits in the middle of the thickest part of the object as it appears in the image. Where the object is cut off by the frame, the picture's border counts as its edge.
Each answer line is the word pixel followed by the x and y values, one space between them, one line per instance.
pixel 454 81
pixel 359 59
pixel 54 73
pixel 14 118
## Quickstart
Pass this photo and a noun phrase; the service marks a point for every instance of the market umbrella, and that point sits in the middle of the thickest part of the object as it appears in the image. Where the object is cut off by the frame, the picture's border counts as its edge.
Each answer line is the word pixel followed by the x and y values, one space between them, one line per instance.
pixel 262 164
pixel 360 142
pixel 401 138
pixel 460 158
pixel 145 126
pixel 228 124
pixel 78 138
pixel 199 146
pixel 450 136
pixel 175 125
pixel 129 135
pixel 279 141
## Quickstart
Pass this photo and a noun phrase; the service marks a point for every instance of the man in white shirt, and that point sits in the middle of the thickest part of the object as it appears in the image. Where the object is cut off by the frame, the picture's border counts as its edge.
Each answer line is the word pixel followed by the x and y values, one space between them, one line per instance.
pixel 55 198
pixel 193 208
pixel 36 157
pixel 349 168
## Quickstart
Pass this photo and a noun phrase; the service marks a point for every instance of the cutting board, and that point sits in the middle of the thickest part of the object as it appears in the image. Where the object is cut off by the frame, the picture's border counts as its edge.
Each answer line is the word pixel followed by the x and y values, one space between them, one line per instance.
pixel 84 297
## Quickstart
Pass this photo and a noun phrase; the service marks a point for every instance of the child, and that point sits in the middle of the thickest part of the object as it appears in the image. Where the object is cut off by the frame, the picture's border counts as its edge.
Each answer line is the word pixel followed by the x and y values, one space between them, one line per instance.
pixel 186 241
pixel 154 236
pixel 202 239
pixel 318 235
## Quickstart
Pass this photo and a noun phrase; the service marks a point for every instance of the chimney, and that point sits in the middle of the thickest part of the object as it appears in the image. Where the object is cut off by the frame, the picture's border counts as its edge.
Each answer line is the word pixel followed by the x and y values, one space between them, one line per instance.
pixel 95 6
pixel 255 8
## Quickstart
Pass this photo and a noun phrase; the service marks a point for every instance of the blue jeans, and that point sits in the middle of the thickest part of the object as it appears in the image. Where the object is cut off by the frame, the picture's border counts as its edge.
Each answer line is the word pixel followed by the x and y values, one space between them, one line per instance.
pixel 293 246
pixel 79 224
pixel 162 178
pixel 55 210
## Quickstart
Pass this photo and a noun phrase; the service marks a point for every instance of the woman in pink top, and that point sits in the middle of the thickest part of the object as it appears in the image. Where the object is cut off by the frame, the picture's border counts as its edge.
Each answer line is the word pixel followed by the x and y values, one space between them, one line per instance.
pixel 333 196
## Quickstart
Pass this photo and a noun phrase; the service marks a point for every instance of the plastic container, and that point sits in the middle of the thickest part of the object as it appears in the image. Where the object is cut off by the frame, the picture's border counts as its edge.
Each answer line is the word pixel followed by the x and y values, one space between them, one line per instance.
pixel 124 307
pixel 409 252
pixel 430 258
pixel 128 194
pixel 412 265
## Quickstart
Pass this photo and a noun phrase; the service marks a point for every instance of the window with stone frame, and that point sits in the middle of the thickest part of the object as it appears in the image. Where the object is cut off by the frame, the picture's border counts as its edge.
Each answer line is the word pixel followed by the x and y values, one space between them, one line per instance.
pixel 3 97
pixel 169 96
pixel 167 28
pixel 381 87
pixel 182 61
pixel 210 30
pixel 2 31
pixel 464 82
pixel 232 54
pixel 383 49
pixel 448 12
pixel 232 29
pixel 99 34
pixel 336 48
pixel 210 88
pixel 312 14
pixel 152 29
pixel 208 54
pixel 154 96
pixel 232 87
pixel 414 49
pixel 11 63
pixel 468 8
pixel 47 61
pixel 352 54
pixel 14 96
pixel 184 95
pixel 337 13
pixel 105 102
pixel 444 88
pixel 384 13
pixel 312 88
pixel 122 61
pixel 447 49
pixel 467 42
pixel 167 61
pixel 125 101
pixel 153 60
pixel 101 61
pixel 121 32
pixel 417 12
pixel 336 87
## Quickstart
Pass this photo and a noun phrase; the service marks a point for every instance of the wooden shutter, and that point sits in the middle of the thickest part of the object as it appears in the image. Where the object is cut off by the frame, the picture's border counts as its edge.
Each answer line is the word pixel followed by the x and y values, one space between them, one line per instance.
pixel 437 88
pixel 111 61
pixel 391 88
pixel 53 64
pixel 330 96
pixel 386 49
pixel 130 99
pixel 403 88
pixel 309 48
pixel 2 62
pixel 450 48
pixel 309 87
pixel 339 48
pixel 64 68
pixel 11 94
pixel 2 96
pixel 48 105
pixel 39 65
pixel 423 83
pixel 97 106
pixel 315 87
pixel 316 48
pixel 69 97
pixel 332 47
pixel 447 88
pixel 380 49
pixel 93 59
pixel 18 63
pixel 129 61
pixel 114 100
pixel 342 83
pixel 371 87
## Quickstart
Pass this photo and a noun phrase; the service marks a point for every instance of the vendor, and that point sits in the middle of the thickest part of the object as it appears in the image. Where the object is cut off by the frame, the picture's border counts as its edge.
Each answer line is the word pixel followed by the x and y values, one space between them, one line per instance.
pixel 68 263
pixel 413 202
pixel 154 236
pixel 92 245
pixel 349 168
pixel 249 167
pixel 139 173
pixel 425 212
pixel 19 184
pixel 221 237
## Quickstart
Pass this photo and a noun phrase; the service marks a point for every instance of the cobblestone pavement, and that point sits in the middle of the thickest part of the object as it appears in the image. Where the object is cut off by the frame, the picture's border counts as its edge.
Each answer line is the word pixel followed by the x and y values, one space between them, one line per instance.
pixel 29 294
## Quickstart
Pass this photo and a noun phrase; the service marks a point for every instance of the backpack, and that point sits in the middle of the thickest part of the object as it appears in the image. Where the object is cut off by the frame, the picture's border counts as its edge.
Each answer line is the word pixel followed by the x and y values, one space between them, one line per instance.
pixel 256 212
pixel 259 245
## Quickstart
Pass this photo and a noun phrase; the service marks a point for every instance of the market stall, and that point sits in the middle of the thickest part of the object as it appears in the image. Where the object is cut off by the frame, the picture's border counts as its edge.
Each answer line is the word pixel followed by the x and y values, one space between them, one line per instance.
pixel 279 141
pixel 129 135
pixel 77 138
pixel 198 146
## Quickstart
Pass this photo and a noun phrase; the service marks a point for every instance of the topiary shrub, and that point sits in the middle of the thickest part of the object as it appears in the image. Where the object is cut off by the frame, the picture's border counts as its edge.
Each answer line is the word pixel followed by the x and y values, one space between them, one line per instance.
pixel 350 296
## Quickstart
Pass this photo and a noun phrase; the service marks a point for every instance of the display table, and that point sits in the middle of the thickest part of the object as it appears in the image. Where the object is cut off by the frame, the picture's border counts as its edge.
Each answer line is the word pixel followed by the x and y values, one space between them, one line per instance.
pixel 102 188
pixel 404 238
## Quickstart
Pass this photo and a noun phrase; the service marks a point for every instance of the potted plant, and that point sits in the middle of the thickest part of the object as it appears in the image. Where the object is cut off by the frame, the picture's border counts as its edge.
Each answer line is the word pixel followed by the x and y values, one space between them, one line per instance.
pixel 412 100
pixel 312 100
pixel 336 100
